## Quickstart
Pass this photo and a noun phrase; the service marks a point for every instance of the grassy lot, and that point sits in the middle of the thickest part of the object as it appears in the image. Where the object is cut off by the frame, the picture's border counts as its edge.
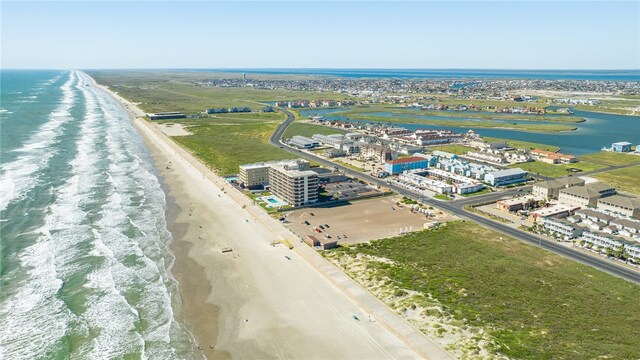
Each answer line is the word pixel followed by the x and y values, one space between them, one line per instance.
pixel 451 148
pixel 463 123
pixel 278 116
pixel 444 197
pixel 557 170
pixel 303 129
pixel 460 114
pixel 481 192
pixel 534 304
pixel 525 144
pixel 225 146
pixel 164 90
pixel 610 158
pixel 623 179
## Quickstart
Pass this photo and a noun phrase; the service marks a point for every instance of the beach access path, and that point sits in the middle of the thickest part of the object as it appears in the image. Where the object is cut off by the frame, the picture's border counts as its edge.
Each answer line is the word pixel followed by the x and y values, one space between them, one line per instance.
pixel 272 302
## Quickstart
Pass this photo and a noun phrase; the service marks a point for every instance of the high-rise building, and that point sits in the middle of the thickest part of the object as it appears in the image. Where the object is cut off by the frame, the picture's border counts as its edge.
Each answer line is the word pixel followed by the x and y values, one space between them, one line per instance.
pixel 293 185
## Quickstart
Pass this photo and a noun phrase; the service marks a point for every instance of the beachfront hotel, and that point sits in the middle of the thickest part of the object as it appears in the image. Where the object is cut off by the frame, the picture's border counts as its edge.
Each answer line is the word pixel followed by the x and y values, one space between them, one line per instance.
pixel 292 184
pixel 256 175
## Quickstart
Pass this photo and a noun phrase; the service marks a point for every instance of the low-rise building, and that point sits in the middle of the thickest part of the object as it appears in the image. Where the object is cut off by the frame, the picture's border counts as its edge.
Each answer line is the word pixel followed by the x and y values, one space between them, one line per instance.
pixel 621 146
pixel 553 210
pixel 586 195
pixel 552 157
pixel 376 152
pixel 514 204
pixel 303 142
pixel 460 184
pixel 424 183
pixel 623 205
pixel 551 188
pixel 562 229
pixel 506 177
pixel 627 227
pixel 404 164
pixel 166 115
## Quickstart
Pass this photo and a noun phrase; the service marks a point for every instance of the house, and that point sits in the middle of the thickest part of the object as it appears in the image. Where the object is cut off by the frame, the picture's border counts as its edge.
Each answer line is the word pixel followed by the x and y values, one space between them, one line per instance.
pixel 586 195
pixel 513 205
pixel 506 177
pixel 552 157
pixel 621 147
pixel 627 206
pixel 549 189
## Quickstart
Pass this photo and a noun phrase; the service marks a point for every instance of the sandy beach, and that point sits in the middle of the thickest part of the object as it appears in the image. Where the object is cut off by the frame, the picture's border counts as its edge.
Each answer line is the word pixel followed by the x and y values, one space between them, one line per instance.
pixel 261 301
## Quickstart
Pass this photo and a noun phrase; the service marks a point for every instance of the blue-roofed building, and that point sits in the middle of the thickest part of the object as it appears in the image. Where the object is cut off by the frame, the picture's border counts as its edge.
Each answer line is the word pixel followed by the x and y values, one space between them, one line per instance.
pixel 506 177
pixel 621 147
pixel 409 163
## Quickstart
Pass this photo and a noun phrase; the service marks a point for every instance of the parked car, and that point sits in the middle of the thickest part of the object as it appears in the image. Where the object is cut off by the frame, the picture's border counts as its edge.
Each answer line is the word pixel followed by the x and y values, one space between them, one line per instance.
pixel 321 227
pixel 327 226
pixel 306 222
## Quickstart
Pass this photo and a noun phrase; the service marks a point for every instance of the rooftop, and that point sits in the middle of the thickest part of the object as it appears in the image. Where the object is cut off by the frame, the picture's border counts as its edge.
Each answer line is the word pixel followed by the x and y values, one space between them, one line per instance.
pixel 587 191
pixel 560 183
pixel 406 160
pixel 622 201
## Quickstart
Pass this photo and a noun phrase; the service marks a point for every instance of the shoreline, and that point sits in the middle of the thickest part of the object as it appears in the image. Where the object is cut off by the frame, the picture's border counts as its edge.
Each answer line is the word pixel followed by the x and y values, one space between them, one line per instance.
pixel 260 300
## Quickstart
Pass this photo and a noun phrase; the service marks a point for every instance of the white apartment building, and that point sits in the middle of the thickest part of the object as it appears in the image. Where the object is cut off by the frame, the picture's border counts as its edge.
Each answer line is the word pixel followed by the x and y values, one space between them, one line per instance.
pixel 293 185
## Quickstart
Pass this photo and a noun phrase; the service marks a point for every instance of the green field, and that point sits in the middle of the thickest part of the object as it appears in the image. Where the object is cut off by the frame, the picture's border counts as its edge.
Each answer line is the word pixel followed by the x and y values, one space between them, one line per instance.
pixel 524 144
pixel 610 158
pixel 158 91
pixel 626 179
pixel 451 148
pixel 274 116
pixel 394 110
pixel 557 170
pixel 225 146
pixel 303 129
pixel 532 303
pixel 463 123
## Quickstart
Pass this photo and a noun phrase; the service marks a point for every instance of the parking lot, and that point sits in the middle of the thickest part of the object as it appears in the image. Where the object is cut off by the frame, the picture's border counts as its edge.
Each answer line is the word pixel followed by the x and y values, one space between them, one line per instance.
pixel 360 221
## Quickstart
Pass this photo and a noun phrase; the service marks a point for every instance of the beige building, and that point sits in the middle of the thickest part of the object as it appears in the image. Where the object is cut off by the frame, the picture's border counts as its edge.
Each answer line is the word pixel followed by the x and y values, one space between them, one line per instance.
pixel 376 152
pixel 294 185
pixel 587 195
pixel 628 206
pixel 252 175
pixel 550 189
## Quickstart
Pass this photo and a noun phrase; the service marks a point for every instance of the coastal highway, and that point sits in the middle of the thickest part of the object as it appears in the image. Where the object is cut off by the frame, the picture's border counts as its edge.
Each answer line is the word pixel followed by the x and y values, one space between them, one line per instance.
pixel 456 207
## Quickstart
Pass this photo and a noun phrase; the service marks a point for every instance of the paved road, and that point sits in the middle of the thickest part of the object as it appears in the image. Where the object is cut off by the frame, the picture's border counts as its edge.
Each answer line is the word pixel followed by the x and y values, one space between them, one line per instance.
pixel 456 207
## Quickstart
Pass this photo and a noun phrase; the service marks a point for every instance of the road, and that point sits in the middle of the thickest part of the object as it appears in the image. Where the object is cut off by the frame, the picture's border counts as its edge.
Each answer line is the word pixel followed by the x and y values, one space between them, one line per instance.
pixel 457 208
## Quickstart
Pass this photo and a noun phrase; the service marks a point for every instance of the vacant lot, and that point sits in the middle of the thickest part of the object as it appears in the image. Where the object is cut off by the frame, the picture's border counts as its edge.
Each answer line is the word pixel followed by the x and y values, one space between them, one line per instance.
pixel 452 148
pixel 525 144
pixel 556 170
pixel 361 220
pixel 532 303
pixel 627 179
pixel 163 90
pixel 304 129
pixel 223 145
pixel 610 158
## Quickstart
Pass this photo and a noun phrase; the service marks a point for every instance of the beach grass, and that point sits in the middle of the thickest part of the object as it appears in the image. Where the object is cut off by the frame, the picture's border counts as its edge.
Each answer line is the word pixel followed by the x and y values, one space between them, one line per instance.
pixel 225 146
pixel 533 303
pixel 626 179
pixel 451 148
pixel 480 123
pixel 610 158
pixel 524 144
pixel 304 129
pixel 158 91
pixel 556 170
pixel 484 115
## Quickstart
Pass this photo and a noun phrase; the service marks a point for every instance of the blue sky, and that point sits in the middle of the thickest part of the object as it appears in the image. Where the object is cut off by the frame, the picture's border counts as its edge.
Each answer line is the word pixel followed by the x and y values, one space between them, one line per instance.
pixel 454 34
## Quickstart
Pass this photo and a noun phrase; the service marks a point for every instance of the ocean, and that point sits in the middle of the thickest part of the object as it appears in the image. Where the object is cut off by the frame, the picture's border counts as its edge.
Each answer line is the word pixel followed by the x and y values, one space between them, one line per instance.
pixel 85 260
